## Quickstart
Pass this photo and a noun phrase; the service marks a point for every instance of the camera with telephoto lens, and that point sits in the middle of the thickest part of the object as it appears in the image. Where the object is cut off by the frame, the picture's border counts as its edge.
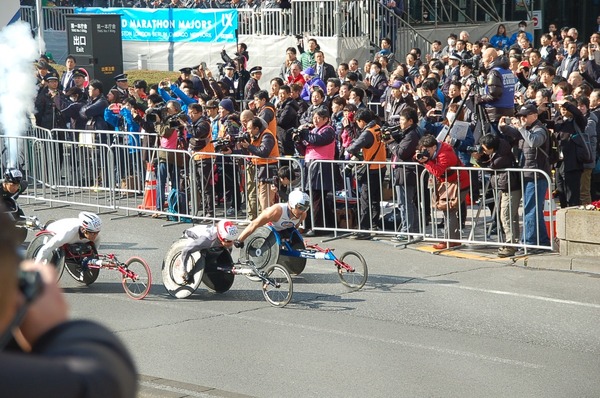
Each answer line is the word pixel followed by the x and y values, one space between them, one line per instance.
pixel 156 113
pixel 243 136
pixel 175 120
pixel 221 144
pixel 391 131
pixel 297 132
pixel 422 154
pixel 475 148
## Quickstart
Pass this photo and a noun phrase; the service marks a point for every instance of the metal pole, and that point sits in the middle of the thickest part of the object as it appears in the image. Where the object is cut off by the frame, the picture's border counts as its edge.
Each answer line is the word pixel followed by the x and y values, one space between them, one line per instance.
pixel 436 13
pixel 503 10
pixel 40 17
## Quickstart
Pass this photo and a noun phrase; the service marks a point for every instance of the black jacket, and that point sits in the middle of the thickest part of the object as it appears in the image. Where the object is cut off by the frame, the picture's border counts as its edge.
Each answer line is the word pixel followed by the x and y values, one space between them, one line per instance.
pixel 78 359
pixel 403 151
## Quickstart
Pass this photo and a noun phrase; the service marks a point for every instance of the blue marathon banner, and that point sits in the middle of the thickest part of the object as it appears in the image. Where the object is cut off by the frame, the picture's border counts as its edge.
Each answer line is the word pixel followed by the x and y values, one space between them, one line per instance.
pixel 173 25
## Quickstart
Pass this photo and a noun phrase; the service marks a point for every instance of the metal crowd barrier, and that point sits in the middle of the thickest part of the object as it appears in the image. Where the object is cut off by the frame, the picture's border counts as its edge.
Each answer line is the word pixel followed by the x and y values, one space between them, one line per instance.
pixel 347 196
pixel 408 214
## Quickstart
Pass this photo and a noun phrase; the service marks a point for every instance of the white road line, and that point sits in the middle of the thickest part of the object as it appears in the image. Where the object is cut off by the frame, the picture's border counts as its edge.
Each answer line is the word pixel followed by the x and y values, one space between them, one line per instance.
pixel 528 296
pixel 401 343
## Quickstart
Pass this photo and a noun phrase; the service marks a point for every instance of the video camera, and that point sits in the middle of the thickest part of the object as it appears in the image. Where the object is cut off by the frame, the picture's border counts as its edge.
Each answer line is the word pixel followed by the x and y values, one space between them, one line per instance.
pixel 221 143
pixel 175 120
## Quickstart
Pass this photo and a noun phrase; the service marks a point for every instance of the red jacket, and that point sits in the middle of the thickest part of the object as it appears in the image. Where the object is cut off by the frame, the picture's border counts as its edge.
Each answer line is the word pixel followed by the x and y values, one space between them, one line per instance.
pixel 444 158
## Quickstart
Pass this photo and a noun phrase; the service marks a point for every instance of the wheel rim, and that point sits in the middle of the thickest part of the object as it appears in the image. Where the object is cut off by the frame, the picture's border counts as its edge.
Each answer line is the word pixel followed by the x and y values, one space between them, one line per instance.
pixel 138 286
pixel 358 278
pixel 278 296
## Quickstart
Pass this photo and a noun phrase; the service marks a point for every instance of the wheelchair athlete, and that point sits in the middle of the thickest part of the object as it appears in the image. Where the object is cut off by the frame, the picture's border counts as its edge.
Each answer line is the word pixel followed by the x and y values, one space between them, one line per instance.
pixel 12 186
pixel 206 237
pixel 84 229
pixel 281 216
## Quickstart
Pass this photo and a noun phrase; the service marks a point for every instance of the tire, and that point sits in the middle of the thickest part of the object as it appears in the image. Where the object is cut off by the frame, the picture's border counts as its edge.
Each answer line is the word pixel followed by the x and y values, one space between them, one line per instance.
pixel 172 280
pixel 21 234
pixel 58 256
pixel 138 286
pixel 213 279
pixel 280 295
pixel 86 277
pixel 295 265
pixel 358 277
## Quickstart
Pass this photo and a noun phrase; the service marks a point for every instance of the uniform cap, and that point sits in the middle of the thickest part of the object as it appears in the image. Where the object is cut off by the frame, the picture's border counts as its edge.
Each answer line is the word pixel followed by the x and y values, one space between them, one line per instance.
pixel 256 69
pixel 186 71
pixel 121 78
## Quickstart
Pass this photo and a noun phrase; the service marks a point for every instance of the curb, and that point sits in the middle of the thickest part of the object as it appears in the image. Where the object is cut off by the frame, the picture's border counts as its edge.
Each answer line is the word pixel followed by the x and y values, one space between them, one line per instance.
pixel 156 387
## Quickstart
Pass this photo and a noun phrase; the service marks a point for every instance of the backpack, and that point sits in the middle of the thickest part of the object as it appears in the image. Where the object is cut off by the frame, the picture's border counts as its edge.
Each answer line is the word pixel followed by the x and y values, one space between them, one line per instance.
pixel 175 199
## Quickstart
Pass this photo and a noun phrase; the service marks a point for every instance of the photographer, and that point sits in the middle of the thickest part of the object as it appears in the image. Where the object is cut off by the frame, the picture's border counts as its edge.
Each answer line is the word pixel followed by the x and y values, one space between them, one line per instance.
pixel 497 155
pixel 438 158
pixel 201 147
pixel 317 142
pixel 64 358
pixel 230 127
pixel 534 143
pixel 262 144
pixel 499 91
pixel 400 99
pixel 370 147
pixel 170 130
pixel 402 143
pixel 287 118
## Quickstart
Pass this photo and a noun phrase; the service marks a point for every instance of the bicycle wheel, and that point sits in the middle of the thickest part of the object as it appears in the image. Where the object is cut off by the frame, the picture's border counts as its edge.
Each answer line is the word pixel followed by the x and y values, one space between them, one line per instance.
pixel 172 271
pixel 280 294
pixel 58 256
pixel 86 277
pixel 138 286
pixel 357 276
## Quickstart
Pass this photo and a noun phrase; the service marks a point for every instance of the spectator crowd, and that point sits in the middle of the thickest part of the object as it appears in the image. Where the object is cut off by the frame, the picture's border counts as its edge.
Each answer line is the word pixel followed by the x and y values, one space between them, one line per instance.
pixel 523 105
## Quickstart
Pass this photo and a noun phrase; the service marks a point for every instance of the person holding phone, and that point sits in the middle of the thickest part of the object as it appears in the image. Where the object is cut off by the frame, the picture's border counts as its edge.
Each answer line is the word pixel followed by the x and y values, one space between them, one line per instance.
pixel 48 354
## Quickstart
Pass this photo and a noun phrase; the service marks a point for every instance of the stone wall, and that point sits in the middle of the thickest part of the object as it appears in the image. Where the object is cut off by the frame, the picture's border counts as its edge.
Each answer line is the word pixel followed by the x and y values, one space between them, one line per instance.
pixel 578 232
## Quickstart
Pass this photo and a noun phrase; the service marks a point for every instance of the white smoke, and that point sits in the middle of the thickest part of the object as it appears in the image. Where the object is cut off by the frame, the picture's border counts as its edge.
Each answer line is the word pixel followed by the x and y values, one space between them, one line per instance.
pixel 18 86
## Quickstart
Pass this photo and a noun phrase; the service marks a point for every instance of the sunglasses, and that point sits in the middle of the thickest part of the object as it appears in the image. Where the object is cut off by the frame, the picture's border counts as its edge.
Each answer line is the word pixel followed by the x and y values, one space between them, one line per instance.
pixel 302 207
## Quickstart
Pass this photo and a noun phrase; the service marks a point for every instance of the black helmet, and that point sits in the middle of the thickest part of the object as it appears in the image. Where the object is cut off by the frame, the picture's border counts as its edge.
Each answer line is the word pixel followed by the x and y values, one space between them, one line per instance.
pixel 13 175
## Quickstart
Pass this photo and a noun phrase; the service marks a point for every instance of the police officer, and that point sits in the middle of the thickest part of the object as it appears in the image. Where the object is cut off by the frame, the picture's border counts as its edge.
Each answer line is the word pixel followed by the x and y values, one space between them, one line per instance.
pixel 252 86
pixel 122 85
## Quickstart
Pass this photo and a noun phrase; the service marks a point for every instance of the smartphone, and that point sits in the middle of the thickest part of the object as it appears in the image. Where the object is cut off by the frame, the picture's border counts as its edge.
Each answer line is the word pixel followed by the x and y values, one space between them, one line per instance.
pixel 203 65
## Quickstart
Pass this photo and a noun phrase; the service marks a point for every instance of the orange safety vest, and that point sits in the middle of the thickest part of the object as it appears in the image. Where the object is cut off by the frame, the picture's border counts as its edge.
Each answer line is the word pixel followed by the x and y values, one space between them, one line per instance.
pixel 376 153
pixel 210 147
pixel 273 123
pixel 274 152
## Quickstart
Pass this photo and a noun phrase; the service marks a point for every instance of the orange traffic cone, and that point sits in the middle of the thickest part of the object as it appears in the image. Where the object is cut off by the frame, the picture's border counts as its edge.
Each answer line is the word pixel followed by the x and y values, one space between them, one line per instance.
pixel 550 207
pixel 149 202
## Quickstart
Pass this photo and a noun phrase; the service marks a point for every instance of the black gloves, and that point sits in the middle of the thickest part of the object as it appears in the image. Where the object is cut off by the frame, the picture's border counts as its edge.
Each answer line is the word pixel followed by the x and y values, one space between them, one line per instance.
pixel 238 243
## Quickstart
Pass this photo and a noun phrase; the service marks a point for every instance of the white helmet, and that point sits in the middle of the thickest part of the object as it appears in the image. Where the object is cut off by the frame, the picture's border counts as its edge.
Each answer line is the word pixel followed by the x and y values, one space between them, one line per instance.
pixel 299 200
pixel 227 230
pixel 90 221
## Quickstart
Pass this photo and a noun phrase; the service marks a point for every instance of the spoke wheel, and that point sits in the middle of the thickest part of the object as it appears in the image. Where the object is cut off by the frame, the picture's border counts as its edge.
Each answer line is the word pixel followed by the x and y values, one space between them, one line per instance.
pixel 280 294
pixel 357 277
pixel 172 271
pixel 138 285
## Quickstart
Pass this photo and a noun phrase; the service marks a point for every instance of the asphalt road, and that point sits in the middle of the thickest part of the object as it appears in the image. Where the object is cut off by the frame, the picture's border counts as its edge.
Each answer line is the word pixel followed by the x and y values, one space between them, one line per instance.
pixel 423 326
